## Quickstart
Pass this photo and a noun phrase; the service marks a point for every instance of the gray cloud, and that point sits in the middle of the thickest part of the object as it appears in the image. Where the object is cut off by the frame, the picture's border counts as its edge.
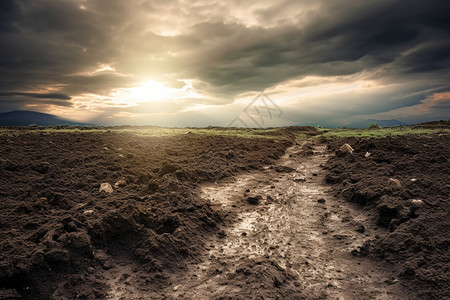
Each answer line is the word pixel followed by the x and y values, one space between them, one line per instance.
pixel 228 48
pixel 38 95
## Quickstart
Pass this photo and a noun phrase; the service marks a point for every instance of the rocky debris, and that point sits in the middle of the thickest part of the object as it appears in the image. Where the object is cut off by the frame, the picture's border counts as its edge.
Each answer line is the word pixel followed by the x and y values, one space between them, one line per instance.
pixel 284 169
pixel 103 259
pixel 321 200
pixel 254 199
pixel 299 180
pixel 119 183
pixel 344 150
pixel 392 182
pixel 367 154
pixel 417 202
pixel 360 228
pixel 341 236
pixel 363 250
pixel 106 187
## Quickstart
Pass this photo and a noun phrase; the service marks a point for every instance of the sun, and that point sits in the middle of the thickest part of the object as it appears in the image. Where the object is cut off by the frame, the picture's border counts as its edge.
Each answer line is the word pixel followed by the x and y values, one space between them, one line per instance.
pixel 150 91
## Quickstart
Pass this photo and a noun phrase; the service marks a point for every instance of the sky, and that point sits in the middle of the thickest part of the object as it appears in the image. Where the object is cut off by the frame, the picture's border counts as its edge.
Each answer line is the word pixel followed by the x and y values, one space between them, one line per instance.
pixel 226 63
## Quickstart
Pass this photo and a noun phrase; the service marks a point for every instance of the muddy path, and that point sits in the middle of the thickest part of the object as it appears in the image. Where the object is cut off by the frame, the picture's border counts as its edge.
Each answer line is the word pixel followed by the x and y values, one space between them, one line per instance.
pixel 286 237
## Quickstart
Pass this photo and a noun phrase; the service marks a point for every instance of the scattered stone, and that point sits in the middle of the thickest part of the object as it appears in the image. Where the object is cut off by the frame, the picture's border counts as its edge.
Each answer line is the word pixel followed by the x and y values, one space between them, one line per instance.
pixel 346 148
pixel 340 236
pixel 254 200
pixel 367 154
pixel 221 234
pixel 345 219
pixel 121 156
pixel 391 281
pixel 105 148
pixel 88 212
pixel 119 183
pixel 269 199
pixel 106 187
pixel 299 180
pixel 284 169
pixel 413 179
pixel 314 174
pixel 103 259
pixel 361 228
pixel 321 200
pixel 394 182
pixel 417 202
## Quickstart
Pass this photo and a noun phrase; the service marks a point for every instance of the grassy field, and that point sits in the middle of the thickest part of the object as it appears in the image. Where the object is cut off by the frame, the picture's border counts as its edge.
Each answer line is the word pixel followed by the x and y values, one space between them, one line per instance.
pixel 380 132
pixel 273 133
pixel 276 134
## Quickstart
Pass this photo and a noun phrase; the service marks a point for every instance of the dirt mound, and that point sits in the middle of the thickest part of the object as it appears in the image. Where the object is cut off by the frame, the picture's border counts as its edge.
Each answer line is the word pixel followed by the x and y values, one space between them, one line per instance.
pixel 58 232
pixel 414 207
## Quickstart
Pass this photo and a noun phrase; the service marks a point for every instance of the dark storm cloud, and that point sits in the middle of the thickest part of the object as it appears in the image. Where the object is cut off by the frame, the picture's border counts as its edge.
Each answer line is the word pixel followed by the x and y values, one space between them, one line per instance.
pixel 344 37
pixel 38 95
pixel 60 43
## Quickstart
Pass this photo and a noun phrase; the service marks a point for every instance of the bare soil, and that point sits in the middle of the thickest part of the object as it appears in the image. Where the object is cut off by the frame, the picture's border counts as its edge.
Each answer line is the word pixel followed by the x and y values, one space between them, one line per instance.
pixel 413 221
pixel 212 217
pixel 60 236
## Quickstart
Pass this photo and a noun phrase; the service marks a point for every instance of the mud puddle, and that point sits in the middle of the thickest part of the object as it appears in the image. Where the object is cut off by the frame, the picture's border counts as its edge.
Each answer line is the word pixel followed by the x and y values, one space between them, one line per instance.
pixel 295 243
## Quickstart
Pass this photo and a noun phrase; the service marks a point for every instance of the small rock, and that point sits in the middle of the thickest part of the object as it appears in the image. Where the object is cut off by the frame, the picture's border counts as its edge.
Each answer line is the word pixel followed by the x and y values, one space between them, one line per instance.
pixel 321 200
pixel 413 179
pixel 121 156
pixel 221 234
pixel 106 187
pixel 88 212
pixel 346 148
pixel 299 180
pixel 361 228
pixel 394 182
pixel 105 148
pixel 340 236
pixel 119 183
pixel 284 169
pixel 391 281
pixel 314 174
pixel 416 202
pixel 254 200
pixel 367 154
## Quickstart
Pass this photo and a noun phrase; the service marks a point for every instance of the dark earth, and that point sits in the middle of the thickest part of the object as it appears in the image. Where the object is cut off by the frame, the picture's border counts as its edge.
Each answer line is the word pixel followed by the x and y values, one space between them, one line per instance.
pixel 214 217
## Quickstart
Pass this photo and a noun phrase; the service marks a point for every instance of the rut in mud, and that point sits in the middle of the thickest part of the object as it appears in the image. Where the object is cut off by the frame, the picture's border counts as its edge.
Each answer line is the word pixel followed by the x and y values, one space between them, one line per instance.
pixel 292 241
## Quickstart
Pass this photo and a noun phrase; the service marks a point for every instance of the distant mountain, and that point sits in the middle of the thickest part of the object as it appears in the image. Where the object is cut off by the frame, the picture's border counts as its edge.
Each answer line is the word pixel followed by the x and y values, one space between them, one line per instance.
pixel 25 118
pixel 382 123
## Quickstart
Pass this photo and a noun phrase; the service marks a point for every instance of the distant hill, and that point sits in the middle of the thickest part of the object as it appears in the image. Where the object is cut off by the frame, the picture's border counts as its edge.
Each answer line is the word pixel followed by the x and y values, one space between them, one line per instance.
pixel 25 118
pixel 382 123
